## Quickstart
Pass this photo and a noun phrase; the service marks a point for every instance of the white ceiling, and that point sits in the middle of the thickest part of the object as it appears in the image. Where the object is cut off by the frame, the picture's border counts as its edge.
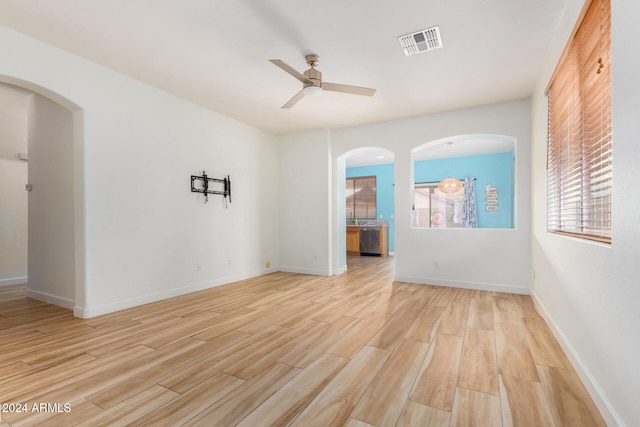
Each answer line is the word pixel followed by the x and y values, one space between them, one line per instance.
pixel 216 53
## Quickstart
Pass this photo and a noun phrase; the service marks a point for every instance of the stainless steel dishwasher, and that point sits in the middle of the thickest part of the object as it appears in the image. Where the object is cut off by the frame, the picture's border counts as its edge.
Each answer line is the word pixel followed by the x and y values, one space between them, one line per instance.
pixel 370 241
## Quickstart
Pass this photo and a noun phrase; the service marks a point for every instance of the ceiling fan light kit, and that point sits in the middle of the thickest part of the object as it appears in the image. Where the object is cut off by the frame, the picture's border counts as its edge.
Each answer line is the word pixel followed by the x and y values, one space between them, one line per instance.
pixel 312 90
pixel 312 84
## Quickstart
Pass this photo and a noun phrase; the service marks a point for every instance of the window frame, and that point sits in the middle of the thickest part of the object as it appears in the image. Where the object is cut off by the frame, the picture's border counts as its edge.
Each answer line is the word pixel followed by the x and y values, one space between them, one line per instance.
pixel 579 137
pixel 432 187
pixel 355 201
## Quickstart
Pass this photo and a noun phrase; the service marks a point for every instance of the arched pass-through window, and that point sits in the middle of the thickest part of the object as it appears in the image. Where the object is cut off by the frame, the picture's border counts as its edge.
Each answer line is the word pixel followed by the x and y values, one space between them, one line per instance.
pixel 489 160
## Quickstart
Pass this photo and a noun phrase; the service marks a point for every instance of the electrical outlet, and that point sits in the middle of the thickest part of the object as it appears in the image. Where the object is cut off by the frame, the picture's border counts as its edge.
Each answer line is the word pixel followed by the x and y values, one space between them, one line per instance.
pixel 268 264
pixel 435 264
pixel 198 268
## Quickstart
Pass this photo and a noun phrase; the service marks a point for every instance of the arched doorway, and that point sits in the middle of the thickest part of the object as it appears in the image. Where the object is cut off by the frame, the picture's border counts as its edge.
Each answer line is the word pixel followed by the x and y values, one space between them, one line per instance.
pixel 377 165
pixel 55 256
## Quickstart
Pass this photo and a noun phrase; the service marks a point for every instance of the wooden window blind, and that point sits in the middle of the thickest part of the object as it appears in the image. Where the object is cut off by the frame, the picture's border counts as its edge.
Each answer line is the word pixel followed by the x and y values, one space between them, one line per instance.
pixel 361 197
pixel 579 147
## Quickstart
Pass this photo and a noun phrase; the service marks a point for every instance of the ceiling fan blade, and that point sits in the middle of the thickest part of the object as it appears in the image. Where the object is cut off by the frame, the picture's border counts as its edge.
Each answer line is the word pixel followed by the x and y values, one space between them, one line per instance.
pixel 297 97
pixel 356 90
pixel 289 69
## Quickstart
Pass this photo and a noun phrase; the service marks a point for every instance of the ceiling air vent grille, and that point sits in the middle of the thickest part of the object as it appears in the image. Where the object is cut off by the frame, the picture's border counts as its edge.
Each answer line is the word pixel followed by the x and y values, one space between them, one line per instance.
pixel 421 41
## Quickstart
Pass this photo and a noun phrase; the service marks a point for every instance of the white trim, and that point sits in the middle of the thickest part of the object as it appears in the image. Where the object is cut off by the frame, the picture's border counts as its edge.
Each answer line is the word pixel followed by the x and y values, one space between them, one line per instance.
pixel 51 299
pixel 605 407
pixel 311 271
pixel 88 312
pixel 14 281
pixel 493 287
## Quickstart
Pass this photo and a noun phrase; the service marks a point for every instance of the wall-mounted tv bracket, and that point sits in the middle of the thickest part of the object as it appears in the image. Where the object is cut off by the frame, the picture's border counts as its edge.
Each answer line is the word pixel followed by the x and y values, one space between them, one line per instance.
pixel 203 183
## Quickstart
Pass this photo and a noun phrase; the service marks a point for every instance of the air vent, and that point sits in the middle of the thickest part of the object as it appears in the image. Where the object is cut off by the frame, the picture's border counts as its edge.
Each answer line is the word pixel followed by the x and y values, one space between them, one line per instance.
pixel 422 41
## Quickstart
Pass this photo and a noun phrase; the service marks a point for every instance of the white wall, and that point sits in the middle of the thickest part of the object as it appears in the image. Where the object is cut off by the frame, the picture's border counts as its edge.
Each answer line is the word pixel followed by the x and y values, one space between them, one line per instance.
pixel 483 259
pixel 139 231
pixel 305 203
pixel 51 203
pixel 589 292
pixel 13 177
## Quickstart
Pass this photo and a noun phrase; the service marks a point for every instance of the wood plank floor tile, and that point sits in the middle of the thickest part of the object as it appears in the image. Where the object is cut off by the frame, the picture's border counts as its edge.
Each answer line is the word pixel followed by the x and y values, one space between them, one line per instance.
pixel 335 402
pixel 507 309
pixel 358 334
pixel 352 422
pixel 544 347
pixel 426 324
pixel 95 376
pixel 239 403
pixel 478 368
pixel 287 348
pixel 394 303
pixel 436 382
pixel 15 368
pixel 472 408
pixel 417 415
pixel 131 410
pixel 524 403
pixel 78 411
pixel 454 319
pixel 568 398
pixel 25 387
pixel 383 401
pixel 183 407
pixel 390 335
pixel 227 356
pixel 513 352
pixel 271 351
pixel 481 314
pixel 285 405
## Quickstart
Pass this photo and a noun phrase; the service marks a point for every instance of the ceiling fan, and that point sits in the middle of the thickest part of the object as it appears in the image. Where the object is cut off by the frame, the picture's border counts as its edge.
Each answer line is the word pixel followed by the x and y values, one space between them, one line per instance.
pixel 312 84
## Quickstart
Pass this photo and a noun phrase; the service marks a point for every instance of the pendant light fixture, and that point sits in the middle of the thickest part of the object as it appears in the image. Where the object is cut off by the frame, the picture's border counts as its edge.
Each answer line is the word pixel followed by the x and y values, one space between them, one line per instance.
pixel 450 185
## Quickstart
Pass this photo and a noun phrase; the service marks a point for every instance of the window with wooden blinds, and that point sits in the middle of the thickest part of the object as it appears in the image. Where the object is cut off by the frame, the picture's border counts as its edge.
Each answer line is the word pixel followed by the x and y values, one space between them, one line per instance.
pixel 579 157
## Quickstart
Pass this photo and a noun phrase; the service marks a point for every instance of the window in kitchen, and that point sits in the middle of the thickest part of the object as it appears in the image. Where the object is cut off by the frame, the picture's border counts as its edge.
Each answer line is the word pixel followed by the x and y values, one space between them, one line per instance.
pixel 361 197
pixel 579 147
pixel 435 209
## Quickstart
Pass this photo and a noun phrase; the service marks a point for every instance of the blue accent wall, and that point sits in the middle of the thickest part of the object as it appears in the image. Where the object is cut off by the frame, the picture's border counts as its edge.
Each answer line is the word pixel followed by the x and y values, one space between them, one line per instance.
pixel 384 192
pixel 494 169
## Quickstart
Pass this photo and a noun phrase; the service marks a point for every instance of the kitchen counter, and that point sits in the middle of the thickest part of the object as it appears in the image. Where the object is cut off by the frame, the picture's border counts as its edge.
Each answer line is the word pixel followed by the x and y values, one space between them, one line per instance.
pixel 358 244
pixel 367 223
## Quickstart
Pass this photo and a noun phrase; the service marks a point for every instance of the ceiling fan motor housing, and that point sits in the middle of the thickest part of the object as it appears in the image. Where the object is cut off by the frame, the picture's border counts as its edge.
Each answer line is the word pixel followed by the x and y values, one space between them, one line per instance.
pixel 314 76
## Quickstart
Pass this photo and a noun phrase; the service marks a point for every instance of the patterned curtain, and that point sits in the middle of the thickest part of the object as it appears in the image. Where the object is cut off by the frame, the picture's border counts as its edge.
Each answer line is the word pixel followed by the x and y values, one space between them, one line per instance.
pixel 469 214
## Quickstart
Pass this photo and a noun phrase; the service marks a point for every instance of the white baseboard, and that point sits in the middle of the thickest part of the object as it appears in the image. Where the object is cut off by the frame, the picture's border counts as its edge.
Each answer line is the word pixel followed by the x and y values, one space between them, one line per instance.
pixel 311 271
pixel 51 299
pixel 605 407
pixel 341 270
pixel 493 287
pixel 93 311
pixel 14 281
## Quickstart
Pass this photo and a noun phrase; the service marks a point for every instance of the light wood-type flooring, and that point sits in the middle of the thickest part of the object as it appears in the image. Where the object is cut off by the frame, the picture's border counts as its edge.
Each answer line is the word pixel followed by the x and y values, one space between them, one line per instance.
pixel 289 349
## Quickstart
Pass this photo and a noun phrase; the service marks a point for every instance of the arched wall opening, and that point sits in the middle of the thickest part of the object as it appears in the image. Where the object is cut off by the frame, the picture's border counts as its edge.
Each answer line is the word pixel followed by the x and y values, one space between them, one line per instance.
pixel 55 260
pixel 371 161
pixel 489 160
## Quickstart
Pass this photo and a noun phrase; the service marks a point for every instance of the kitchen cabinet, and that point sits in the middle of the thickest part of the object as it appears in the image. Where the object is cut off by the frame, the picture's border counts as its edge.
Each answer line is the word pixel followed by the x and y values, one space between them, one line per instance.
pixel 353 240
